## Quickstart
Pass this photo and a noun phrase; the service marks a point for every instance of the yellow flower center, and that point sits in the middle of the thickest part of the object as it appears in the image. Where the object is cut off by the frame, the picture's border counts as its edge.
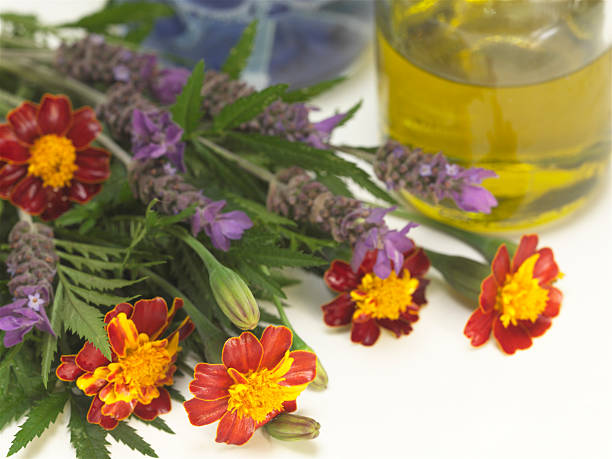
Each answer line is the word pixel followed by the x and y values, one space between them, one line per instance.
pixel 143 365
pixel 521 297
pixel 261 393
pixel 384 298
pixel 53 160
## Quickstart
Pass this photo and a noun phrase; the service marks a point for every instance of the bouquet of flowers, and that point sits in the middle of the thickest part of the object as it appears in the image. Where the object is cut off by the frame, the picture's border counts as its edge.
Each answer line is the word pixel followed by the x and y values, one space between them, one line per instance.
pixel 148 212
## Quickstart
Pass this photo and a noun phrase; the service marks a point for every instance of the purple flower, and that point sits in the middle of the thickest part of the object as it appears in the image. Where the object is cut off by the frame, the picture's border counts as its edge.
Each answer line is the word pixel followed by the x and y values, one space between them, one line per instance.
pixel 220 227
pixel 169 83
pixel 154 134
pixel 19 317
pixel 323 130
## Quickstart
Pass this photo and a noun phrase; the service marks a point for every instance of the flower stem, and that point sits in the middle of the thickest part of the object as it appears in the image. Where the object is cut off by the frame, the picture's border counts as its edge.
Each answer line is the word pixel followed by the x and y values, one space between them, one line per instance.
pixel 361 154
pixel 25 217
pixel 115 149
pixel 259 172
pixel 208 258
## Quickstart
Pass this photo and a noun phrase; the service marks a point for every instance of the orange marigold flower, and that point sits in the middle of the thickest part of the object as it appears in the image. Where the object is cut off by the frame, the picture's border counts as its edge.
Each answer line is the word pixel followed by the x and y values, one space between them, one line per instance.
pixel 257 381
pixel 518 300
pixel 46 162
pixel 141 363
pixel 370 302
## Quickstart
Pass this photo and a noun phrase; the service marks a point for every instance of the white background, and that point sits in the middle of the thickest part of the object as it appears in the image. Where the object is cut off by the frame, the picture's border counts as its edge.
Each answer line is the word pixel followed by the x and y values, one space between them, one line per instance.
pixel 427 395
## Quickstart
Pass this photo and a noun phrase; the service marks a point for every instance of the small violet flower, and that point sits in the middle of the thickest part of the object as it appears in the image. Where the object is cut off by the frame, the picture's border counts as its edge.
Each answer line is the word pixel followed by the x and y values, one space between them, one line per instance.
pixel 220 227
pixel 154 135
pixel 168 84
pixel 19 317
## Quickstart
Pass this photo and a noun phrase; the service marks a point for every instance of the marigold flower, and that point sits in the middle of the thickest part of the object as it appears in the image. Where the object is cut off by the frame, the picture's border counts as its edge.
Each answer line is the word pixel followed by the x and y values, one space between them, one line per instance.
pixel 517 301
pixel 370 302
pixel 257 381
pixel 46 162
pixel 131 382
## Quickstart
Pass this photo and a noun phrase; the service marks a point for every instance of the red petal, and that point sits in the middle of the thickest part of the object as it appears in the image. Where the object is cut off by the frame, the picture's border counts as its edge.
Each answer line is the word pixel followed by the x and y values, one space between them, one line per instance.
pixel 85 127
pixel 339 311
pixel 10 148
pixel 234 430
pixel 91 386
pixel 68 369
pixel 537 328
pixel 54 114
pixel 94 165
pixel 159 405
pixel 243 353
pixel 365 332
pixel 511 338
pixel 398 327
pixel 555 297
pixel 95 416
pixel 23 121
pixel 125 308
pixel 185 329
pixel 118 410
pixel 210 382
pixel 290 406
pixel 83 192
pixel 303 369
pixel 89 358
pixel 340 277
pixel 202 412
pixel 108 423
pixel 30 195
pixel 546 268
pixel 150 316
pixel 121 334
pixel 57 203
pixel 9 176
pixel 478 327
pixel 488 294
pixel 417 263
pixel 367 265
pixel 526 248
pixel 418 297
pixel 276 341
pixel 501 264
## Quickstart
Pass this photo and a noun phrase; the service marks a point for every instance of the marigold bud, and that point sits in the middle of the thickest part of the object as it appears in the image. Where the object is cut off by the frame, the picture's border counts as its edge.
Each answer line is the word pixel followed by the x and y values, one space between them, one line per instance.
pixel 291 427
pixel 320 381
pixel 234 298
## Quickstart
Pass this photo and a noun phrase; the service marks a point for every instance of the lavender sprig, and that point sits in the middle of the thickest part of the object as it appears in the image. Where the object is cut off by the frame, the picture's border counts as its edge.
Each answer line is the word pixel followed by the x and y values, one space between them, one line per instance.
pixel 433 177
pixel 32 266
pixel 298 196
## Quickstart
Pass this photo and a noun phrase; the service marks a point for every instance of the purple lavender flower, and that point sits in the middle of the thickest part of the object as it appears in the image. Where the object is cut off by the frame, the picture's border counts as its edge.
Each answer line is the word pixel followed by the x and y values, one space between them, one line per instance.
pixel 19 317
pixel 154 135
pixel 220 227
pixel 323 130
pixel 133 67
pixel 169 83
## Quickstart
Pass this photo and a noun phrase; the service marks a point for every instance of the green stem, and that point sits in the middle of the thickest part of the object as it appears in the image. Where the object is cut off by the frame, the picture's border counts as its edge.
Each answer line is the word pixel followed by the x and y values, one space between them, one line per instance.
pixel 208 258
pixel 10 99
pixel 115 149
pixel 366 156
pixel 259 172
pixel 298 342
pixel 35 54
pixel 25 217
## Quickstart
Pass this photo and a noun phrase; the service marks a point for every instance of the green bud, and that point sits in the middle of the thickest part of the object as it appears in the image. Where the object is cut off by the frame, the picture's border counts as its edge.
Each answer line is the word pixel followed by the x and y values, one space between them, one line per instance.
pixel 234 297
pixel 291 427
pixel 320 381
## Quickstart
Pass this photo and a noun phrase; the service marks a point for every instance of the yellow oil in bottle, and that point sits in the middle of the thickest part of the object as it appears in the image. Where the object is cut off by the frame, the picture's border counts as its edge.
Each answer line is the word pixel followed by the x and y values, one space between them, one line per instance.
pixel 525 93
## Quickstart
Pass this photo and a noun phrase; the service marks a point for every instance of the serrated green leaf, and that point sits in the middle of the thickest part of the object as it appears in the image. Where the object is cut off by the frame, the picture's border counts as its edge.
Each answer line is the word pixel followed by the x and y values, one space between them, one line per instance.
pixel 246 108
pixel 175 394
pixel 42 414
pixel 334 184
pixel 89 440
pixel 257 278
pixel 49 341
pixel 159 424
pixel 14 406
pixel 186 111
pixel 349 114
pixel 281 257
pixel 127 435
pixel 122 13
pixel 313 244
pixel 305 94
pixel 255 209
pixel 285 153
pixel 95 282
pixel 89 250
pixel 239 55
pixel 100 299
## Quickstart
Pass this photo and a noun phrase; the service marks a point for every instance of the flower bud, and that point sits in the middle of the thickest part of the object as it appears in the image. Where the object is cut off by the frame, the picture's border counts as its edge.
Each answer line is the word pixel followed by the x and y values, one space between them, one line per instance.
pixel 234 298
pixel 291 427
pixel 320 381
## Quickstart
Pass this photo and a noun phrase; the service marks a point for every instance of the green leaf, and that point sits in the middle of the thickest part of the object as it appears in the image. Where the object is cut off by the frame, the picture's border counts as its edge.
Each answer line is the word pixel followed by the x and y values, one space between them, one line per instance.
pixel 239 55
pixel 349 114
pixel 281 257
pixel 246 108
pixel 285 153
pixel 463 274
pixel 256 210
pixel 50 341
pixel 334 184
pixel 100 299
pixel 305 94
pixel 122 13
pixel 127 435
pixel 14 407
pixel 89 440
pixel 95 282
pixel 159 424
pixel 90 250
pixel 175 394
pixel 40 416
pixel 84 320
pixel 186 111
pixel 257 278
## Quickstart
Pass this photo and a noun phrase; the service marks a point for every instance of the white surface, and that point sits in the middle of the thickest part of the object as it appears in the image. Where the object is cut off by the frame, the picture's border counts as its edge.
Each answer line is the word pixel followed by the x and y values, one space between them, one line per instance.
pixel 430 395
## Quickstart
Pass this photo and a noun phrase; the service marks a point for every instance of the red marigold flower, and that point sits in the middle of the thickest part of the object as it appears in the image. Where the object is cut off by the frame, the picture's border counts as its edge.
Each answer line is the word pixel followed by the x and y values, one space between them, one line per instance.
pixel 370 302
pixel 46 162
pixel 517 301
pixel 131 382
pixel 257 381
